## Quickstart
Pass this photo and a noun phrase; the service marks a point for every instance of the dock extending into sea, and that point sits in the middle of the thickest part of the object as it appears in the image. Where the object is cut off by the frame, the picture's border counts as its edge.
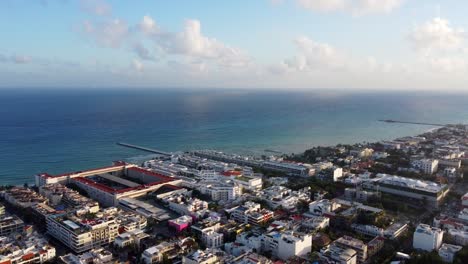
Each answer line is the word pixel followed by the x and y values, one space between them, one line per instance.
pixel 156 151
pixel 411 123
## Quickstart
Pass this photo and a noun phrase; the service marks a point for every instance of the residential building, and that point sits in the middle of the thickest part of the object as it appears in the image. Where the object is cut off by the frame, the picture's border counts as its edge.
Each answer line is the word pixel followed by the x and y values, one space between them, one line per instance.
pixel 427 238
pixel 129 238
pixel 447 252
pixel 180 223
pixel 156 253
pixel 334 254
pixel 10 224
pixel 460 237
pixel 354 244
pixel 286 244
pixel 323 206
pixel 97 255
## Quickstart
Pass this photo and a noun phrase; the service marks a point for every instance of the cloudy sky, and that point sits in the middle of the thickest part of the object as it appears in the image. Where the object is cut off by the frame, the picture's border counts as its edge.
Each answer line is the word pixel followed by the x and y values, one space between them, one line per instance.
pixel 271 44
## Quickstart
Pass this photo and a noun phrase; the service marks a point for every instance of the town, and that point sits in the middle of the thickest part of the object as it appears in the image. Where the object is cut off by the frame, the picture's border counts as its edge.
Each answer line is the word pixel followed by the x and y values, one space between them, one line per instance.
pixel 399 201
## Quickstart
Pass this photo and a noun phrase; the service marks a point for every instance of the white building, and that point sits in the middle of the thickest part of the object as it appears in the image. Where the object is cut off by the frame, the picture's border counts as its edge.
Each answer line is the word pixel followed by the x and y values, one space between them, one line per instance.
pixel 464 200
pixel 430 192
pixel 334 254
pixel 156 253
pixel 320 207
pixel 287 244
pixel 427 238
pixel 98 256
pixel 460 237
pixel 447 252
pixel 249 183
pixel 428 166
pixel 251 213
pixel 133 237
pixel 212 239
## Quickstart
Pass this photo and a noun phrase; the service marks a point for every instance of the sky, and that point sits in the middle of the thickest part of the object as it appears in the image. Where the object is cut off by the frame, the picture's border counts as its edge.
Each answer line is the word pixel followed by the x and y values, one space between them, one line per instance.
pixel 265 44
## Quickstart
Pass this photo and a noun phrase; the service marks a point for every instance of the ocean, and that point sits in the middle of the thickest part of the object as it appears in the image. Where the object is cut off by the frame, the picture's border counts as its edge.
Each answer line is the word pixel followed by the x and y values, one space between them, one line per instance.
pixel 56 131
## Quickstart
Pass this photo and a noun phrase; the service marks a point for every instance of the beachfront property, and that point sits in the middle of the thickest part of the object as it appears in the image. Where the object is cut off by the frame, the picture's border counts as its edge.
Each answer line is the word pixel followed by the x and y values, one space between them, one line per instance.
pixel 109 184
pixel 425 191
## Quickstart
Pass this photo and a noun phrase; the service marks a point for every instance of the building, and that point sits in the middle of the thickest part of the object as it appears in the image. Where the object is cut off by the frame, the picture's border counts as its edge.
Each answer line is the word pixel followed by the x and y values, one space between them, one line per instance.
pixel 81 233
pixel 427 238
pixel 10 224
pixel 129 238
pixel 23 197
pixel 464 200
pixel 220 190
pixel 109 184
pixel 447 252
pixel 460 237
pixel 286 244
pixel 249 183
pixel 202 257
pixel 142 208
pixel 156 253
pixel 98 256
pixel 286 167
pixel 424 191
pixel 375 245
pixel 212 239
pixel 334 254
pixel 427 166
pixel 184 204
pixel 354 244
pixel 28 248
pixel 180 223
pixel 251 213
pixel 323 206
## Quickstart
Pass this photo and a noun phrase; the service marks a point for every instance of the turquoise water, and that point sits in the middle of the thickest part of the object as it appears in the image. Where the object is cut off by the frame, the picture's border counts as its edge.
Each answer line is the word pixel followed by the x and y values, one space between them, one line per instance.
pixel 59 131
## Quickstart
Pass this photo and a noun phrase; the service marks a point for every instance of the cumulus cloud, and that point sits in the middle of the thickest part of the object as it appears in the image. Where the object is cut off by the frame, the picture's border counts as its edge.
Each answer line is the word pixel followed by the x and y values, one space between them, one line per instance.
pixel 192 43
pixel 437 35
pixel 356 7
pixel 111 33
pixel 440 47
pixel 313 55
pixel 96 7
pixel 148 26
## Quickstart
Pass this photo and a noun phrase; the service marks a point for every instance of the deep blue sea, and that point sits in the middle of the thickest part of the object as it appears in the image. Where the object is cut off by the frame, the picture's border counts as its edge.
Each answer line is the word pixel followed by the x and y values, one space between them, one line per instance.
pixel 46 130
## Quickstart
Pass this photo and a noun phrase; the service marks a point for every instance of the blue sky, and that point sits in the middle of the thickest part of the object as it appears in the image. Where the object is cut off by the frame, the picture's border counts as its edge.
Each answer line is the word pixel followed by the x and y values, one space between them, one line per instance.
pixel 287 44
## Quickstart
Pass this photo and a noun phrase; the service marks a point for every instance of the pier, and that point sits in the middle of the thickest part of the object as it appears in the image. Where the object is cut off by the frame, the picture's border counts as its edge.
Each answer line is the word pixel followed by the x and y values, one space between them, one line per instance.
pixel 411 123
pixel 123 144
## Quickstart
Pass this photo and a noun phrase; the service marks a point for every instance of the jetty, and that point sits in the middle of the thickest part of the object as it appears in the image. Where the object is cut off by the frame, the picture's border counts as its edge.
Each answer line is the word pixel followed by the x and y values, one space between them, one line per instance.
pixel 160 152
pixel 410 122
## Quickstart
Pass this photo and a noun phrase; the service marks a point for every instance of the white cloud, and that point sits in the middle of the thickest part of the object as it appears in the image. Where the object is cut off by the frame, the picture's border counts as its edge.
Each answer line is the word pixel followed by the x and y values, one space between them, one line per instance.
pixel 437 35
pixel 440 47
pixel 96 7
pixel 143 52
pixel 148 26
pixel 138 65
pixel 355 7
pixel 192 43
pixel 323 5
pixel 313 55
pixel 110 33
